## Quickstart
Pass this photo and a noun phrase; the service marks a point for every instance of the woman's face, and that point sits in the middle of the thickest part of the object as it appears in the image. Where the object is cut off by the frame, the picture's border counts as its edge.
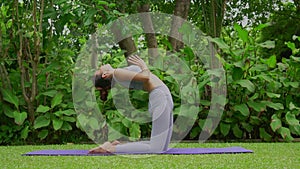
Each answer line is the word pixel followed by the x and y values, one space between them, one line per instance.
pixel 102 72
pixel 105 69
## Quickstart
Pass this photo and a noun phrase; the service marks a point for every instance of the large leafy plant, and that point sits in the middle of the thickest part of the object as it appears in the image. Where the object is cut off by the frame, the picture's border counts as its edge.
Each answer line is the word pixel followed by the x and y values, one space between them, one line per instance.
pixel 262 93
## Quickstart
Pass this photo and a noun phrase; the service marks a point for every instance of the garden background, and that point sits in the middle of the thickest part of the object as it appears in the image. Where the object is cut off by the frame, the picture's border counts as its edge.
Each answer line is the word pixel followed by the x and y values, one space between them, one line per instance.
pixel 257 43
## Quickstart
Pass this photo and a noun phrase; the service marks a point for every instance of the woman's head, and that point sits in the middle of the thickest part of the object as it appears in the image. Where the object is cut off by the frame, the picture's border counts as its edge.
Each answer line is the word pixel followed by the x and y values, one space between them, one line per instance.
pixel 103 85
pixel 102 82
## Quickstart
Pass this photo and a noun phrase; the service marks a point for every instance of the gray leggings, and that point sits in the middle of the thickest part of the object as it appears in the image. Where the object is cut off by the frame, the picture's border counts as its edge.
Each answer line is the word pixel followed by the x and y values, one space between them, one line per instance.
pixel 160 108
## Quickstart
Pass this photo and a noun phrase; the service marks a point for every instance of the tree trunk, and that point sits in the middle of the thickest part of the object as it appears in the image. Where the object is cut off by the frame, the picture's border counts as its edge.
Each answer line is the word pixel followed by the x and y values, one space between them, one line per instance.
pixel 125 42
pixel 181 10
pixel 149 31
pixel 213 12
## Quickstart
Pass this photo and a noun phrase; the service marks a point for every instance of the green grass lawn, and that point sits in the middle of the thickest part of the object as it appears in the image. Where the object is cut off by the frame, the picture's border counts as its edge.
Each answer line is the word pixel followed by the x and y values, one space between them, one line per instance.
pixel 266 155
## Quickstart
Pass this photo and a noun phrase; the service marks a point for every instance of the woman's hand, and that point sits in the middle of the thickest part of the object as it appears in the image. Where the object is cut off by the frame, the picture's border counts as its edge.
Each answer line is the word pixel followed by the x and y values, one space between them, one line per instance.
pixel 136 60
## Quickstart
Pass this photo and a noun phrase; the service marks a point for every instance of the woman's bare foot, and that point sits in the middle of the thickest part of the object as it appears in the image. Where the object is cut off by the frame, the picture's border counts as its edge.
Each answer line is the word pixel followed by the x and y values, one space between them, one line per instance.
pixel 116 142
pixel 107 147
pixel 97 150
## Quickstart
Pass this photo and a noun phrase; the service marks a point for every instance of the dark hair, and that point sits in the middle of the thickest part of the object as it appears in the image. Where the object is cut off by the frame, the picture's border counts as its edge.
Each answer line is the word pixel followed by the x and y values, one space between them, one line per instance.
pixel 105 84
pixel 101 82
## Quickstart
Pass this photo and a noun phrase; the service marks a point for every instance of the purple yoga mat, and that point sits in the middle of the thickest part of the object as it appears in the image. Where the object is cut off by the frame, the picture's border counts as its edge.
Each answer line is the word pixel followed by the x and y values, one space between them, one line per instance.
pixel 175 151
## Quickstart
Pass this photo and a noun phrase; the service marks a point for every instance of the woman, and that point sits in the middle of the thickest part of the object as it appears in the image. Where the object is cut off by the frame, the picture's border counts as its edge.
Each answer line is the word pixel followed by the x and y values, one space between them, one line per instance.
pixel 137 76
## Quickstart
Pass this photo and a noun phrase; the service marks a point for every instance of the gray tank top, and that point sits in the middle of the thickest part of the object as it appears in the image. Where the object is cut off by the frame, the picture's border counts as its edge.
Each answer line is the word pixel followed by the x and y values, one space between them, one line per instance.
pixel 131 84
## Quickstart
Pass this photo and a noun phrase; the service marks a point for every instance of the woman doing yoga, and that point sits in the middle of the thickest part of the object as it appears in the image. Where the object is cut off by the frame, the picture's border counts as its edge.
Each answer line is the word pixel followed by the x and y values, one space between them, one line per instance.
pixel 137 76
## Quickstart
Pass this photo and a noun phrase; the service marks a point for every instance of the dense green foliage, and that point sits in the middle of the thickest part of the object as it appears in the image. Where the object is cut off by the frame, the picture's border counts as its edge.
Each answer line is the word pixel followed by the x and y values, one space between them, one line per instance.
pixel 41 40
pixel 282 30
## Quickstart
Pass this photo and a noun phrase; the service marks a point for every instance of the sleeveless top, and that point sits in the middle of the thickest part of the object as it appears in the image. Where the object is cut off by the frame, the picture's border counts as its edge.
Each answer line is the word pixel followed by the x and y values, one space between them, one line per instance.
pixel 137 85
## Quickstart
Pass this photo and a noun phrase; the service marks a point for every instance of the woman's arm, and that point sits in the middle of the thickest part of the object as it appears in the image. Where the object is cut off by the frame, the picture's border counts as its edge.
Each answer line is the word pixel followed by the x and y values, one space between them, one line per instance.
pixel 136 60
pixel 127 75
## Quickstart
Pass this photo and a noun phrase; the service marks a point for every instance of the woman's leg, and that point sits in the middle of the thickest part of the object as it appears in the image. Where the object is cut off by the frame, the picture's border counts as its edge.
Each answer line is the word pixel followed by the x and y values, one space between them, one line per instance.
pixel 160 107
pixel 141 146
pixel 162 125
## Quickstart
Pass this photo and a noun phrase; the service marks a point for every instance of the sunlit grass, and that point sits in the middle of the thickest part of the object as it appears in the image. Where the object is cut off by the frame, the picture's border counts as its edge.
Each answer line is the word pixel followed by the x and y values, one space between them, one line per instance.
pixel 266 155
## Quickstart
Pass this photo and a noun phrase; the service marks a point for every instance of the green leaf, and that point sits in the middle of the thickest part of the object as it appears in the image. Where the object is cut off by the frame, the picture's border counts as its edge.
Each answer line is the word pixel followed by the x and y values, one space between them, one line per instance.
pixel 248 127
pixel 275 106
pixel 195 132
pixel 102 3
pixel 259 67
pixel 188 35
pixel 20 117
pixel 296 59
pixel 293 84
pixel 262 26
pixel 24 132
pixel 93 122
pixel 224 128
pixel 295 129
pixel 114 132
pixel 292 106
pixel 246 84
pixel 264 77
pixel 243 108
pixel 68 112
pixel 267 44
pixel 82 119
pixel 264 135
pixel 8 111
pixel 41 121
pixel 242 33
pixel 254 97
pixel 257 106
pixel 88 18
pixel 43 134
pixel 237 131
pixel 291 119
pixel 285 134
pixel 273 95
pixel 57 99
pixel 69 119
pixel 127 123
pixel 66 126
pixel 189 111
pixel 237 73
pixel 58 113
pixel 42 109
pixel 221 44
pixel 57 123
pixel 206 124
pixel 255 120
pixel 205 102
pixel 275 123
pixel 50 93
pixel 10 97
pixel 291 45
pixel 272 61
pixel 135 131
pixel 218 99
